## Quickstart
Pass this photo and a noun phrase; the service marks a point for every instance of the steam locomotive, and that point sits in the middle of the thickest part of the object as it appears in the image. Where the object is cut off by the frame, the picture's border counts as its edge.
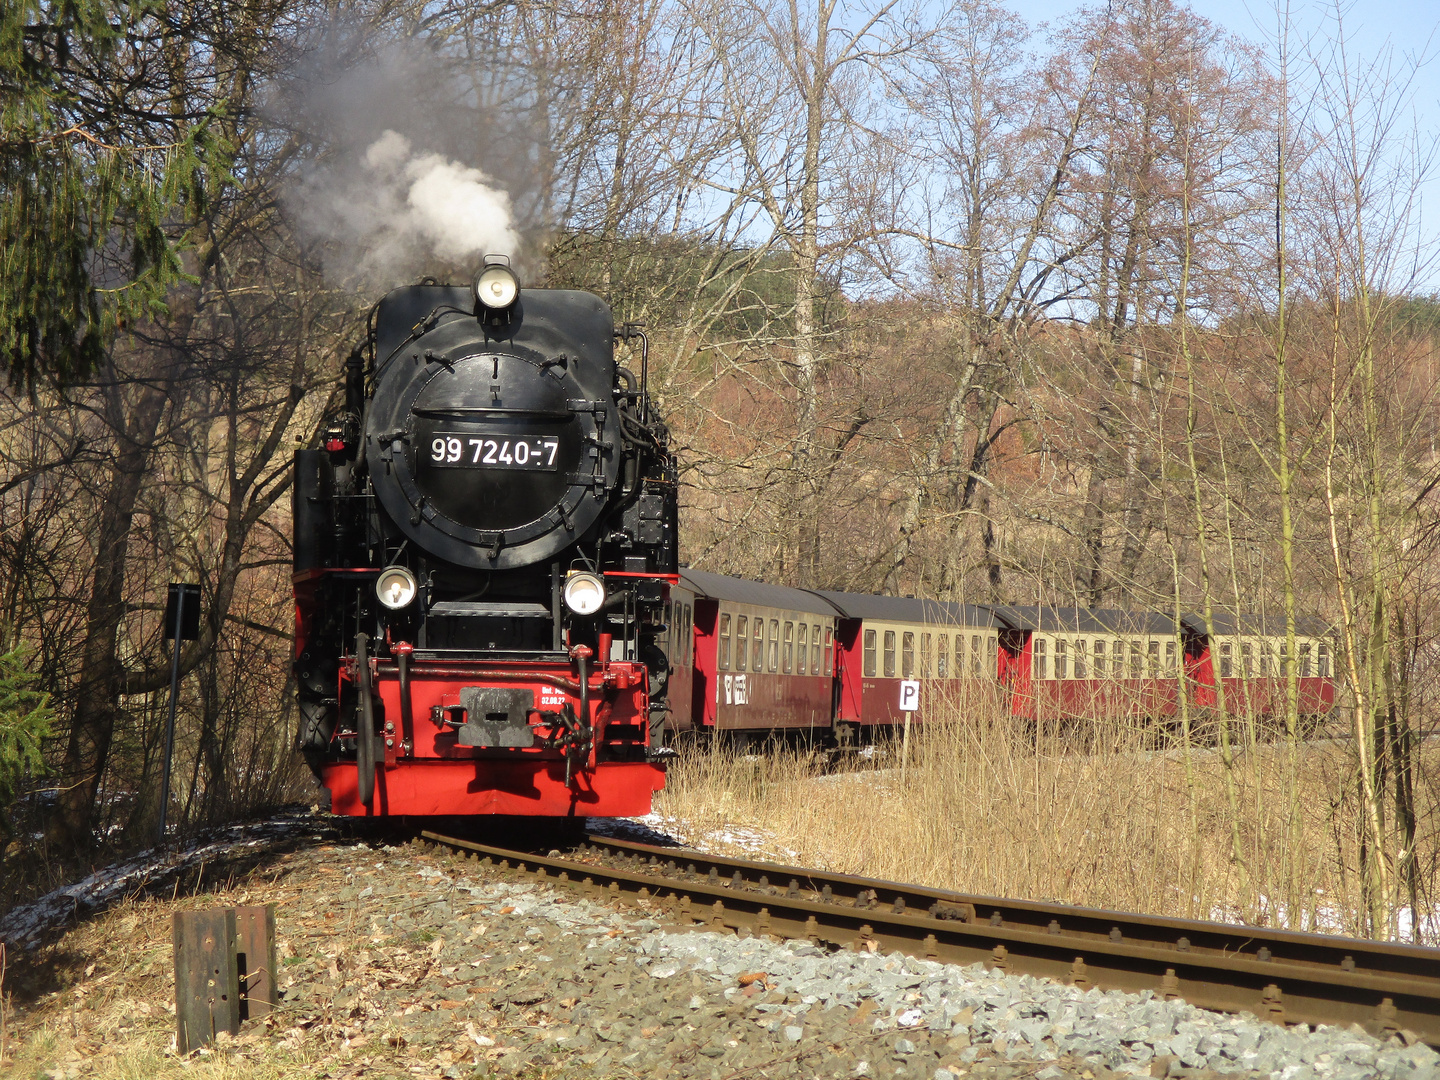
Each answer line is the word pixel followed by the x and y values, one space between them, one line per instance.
pixel 484 544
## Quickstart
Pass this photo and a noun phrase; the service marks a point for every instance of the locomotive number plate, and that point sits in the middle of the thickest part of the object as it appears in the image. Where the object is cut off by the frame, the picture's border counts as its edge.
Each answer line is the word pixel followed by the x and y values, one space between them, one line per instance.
pixel 494 452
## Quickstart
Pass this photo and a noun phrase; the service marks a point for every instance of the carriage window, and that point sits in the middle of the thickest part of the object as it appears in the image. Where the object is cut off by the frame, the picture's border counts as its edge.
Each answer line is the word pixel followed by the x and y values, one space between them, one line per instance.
pixel 1135 665
pixel 757 654
pixel 829 644
pixel 1170 658
pixel 1039 659
pixel 1152 659
pixel 907 656
pixel 942 658
pixel 889 654
pixel 774 645
pixel 1284 660
pixel 869 654
pixel 1322 660
pixel 1247 660
pixel 741 628
pixel 1080 658
pixel 1062 665
pixel 975 658
pixel 802 649
pixel 958 671
pixel 1117 659
pixel 815 649
pixel 927 655
pixel 724 659
pixel 1304 661
pixel 789 647
pixel 1225 665
pixel 1267 660
pixel 1098 667
pixel 992 654
pixel 669 626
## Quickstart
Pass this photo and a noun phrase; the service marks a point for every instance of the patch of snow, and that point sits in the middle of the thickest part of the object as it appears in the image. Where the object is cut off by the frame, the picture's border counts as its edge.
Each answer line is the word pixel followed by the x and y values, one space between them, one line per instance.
pixel 661 831
pixel 29 925
pixel 650 829
pixel 1327 919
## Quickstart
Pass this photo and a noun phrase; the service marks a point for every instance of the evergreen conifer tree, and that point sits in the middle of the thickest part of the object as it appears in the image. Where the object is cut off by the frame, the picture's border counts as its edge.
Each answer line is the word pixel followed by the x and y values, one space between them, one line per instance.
pixel 97 153
pixel 25 719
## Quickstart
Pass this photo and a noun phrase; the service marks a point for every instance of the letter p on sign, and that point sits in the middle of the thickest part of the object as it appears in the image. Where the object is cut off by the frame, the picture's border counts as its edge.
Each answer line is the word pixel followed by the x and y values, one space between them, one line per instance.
pixel 909 695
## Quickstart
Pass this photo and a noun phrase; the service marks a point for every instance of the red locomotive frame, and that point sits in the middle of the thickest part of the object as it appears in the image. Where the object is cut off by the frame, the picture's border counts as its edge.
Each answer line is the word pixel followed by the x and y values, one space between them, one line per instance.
pixel 423 770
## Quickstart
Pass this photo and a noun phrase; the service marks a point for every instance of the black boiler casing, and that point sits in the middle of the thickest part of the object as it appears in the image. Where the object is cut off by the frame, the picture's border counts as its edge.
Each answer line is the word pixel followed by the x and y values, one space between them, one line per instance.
pixel 528 402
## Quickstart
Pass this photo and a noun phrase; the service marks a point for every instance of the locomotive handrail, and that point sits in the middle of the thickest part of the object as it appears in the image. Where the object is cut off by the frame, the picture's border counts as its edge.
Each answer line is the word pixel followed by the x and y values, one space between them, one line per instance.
pixel 490 609
pixel 467 410
pixel 420 668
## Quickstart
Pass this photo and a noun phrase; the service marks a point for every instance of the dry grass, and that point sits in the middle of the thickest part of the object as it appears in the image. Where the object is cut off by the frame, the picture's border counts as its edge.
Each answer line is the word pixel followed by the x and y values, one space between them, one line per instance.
pixel 100 1000
pixel 111 1010
pixel 1120 825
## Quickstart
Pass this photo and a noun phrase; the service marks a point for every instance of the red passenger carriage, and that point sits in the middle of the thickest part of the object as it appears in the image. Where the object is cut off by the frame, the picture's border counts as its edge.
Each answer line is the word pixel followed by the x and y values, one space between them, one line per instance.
pixel 764 656
pixel 1039 663
pixel 949 649
pixel 1240 669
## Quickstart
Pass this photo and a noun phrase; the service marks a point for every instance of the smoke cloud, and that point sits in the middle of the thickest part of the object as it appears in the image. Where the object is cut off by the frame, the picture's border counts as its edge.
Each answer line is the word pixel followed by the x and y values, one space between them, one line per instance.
pixel 397 209
pixel 408 174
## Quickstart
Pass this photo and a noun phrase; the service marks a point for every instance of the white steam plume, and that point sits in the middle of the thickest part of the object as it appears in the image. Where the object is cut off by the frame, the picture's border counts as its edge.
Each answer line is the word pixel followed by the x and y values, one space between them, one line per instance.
pixel 394 211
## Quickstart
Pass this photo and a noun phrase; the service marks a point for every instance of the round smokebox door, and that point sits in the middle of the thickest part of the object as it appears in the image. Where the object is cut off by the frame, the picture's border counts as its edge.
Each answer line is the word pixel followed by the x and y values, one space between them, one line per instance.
pixel 494 442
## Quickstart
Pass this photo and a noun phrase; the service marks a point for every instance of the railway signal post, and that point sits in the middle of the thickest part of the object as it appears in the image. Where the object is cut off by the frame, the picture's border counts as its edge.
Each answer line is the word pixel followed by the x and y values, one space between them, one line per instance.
pixel 182 623
pixel 909 702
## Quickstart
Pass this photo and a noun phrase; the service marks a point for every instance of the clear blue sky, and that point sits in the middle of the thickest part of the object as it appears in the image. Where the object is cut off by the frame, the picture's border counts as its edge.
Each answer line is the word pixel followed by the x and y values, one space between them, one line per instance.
pixel 1409 29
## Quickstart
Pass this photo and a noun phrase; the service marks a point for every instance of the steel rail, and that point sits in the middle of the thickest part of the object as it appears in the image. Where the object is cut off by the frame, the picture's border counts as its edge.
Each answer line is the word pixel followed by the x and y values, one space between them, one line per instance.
pixel 1282 975
pixel 1279 975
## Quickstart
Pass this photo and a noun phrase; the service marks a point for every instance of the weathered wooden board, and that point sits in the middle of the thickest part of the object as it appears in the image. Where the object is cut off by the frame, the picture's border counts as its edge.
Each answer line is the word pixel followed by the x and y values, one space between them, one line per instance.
pixel 255 960
pixel 207 980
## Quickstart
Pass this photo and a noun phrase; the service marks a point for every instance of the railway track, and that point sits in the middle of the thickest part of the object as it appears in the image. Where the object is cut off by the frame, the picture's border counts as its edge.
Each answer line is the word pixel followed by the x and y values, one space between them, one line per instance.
pixel 1279 975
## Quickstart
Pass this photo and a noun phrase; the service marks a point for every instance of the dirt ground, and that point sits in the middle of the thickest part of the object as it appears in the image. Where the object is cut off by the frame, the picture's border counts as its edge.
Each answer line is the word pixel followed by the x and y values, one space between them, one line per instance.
pixel 365 933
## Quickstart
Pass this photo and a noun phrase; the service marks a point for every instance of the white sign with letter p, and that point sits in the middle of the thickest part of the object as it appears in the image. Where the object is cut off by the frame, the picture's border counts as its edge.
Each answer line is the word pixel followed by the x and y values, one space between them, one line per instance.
pixel 909 695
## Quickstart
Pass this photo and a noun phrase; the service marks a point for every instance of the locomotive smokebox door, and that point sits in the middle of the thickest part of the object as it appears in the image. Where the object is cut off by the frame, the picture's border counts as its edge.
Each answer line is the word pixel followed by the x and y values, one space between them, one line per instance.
pixel 496 717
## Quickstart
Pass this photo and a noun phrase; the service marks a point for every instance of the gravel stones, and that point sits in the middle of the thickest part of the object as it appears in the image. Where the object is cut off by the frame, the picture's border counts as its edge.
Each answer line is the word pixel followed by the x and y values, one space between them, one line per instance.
pixel 657 1001
pixel 427 964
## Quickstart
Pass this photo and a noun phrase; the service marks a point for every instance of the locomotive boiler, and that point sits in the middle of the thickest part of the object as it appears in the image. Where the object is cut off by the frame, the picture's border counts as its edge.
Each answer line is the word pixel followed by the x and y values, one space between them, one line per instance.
pixel 484 542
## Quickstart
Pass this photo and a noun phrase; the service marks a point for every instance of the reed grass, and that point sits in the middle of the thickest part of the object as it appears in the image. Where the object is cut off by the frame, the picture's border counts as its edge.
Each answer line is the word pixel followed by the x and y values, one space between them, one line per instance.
pixel 1103 814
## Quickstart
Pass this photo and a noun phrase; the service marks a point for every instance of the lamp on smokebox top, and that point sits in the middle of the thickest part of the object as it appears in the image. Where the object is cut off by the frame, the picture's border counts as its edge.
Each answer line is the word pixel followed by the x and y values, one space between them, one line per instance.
pixel 496 286
pixel 182 623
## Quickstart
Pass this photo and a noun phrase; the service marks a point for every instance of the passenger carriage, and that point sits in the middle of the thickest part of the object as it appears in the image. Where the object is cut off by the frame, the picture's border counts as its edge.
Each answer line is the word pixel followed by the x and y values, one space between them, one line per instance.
pixel 1067 663
pixel 1243 667
pixel 764 656
pixel 678 642
pixel 949 649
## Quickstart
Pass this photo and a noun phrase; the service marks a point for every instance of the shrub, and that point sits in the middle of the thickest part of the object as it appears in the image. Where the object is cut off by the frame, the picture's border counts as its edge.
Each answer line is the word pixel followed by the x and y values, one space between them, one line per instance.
pixel 25 719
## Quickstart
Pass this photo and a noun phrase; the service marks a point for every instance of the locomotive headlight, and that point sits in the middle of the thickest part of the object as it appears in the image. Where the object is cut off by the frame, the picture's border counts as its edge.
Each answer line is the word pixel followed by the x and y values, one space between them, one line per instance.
pixel 584 593
pixel 497 287
pixel 396 587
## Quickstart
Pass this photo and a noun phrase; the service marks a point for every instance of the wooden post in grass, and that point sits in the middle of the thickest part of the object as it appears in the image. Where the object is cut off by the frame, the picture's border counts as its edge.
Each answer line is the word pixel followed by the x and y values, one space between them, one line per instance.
pixel 905 749
pixel 224 971
pixel 255 960
pixel 207 981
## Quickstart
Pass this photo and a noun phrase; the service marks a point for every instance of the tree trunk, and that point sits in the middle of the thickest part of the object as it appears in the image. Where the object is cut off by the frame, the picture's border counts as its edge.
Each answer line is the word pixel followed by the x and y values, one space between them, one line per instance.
pixel 101 672
pixel 1091 579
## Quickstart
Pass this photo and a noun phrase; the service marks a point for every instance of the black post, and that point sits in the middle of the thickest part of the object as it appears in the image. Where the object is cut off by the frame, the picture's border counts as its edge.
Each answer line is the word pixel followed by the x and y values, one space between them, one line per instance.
pixel 177 628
